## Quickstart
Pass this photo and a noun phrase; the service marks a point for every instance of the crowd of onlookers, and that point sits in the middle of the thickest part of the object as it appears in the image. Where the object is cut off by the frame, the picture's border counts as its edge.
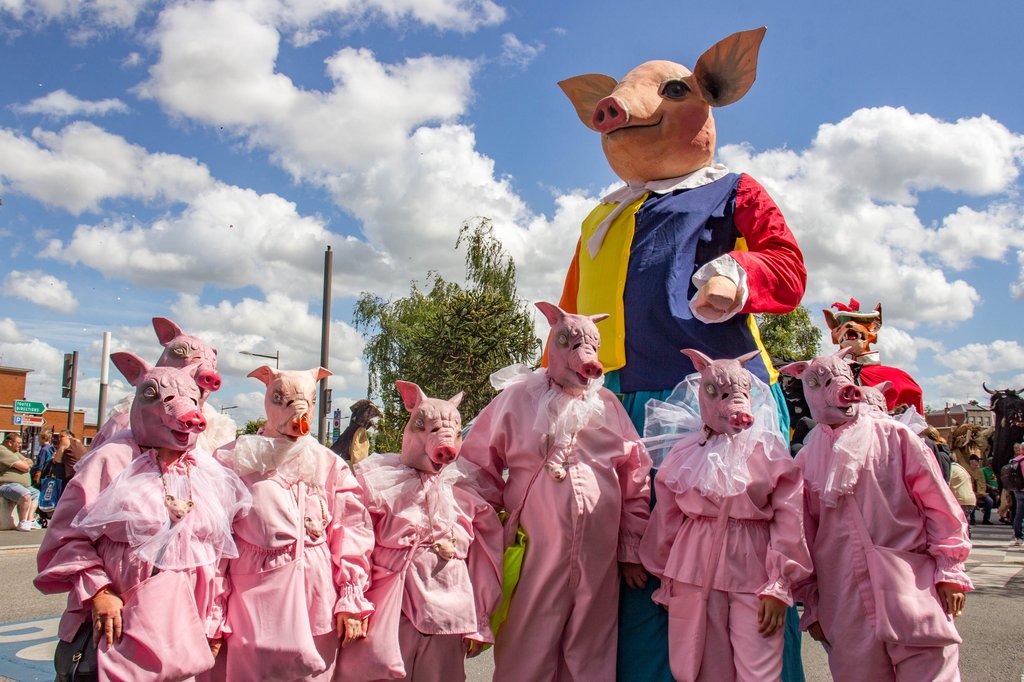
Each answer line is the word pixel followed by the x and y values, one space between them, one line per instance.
pixel 22 477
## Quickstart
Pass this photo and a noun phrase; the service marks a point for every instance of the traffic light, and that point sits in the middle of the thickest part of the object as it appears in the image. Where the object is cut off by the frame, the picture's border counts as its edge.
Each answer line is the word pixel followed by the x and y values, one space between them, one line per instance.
pixel 69 369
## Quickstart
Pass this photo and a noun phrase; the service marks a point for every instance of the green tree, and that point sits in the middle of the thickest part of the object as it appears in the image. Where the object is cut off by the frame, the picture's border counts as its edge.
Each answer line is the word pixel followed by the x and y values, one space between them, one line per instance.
pixel 251 427
pixel 791 336
pixel 445 337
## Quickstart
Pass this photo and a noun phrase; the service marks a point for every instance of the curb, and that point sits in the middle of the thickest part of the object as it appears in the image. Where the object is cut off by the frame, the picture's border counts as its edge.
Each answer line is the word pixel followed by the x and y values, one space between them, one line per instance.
pixel 19 549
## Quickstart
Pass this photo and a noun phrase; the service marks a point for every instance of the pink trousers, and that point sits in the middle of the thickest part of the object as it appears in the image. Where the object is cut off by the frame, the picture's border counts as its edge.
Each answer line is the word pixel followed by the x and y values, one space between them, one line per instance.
pixel 430 658
pixel 733 649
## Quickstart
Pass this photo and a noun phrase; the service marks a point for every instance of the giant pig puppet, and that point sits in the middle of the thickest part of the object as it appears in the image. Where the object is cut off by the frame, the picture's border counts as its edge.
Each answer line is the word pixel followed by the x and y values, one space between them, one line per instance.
pixel 681 256
pixel 200 358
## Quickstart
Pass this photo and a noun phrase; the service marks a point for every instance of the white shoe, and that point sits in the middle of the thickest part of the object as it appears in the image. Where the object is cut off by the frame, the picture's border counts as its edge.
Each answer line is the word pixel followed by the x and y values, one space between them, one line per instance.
pixel 34 525
pixel 25 526
pixel 1017 542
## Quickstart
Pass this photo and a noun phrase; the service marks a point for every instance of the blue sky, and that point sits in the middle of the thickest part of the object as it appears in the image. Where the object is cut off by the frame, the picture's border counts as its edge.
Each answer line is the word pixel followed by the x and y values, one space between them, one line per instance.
pixel 193 160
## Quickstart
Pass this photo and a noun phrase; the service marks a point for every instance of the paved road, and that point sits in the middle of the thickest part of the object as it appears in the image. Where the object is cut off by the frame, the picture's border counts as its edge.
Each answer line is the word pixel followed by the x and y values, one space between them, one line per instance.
pixel 990 626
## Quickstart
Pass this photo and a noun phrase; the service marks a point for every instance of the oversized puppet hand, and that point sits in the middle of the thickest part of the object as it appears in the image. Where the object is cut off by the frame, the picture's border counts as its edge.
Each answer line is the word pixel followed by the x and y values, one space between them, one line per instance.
pixel 634 575
pixel 771 616
pixel 952 597
pixel 716 299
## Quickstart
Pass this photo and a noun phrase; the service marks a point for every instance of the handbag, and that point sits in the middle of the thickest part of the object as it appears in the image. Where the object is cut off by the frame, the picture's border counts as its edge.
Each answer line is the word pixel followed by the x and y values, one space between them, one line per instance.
pixel 163 638
pixel 378 656
pixel 688 609
pixel 75 661
pixel 50 489
pixel 264 605
pixel 908 610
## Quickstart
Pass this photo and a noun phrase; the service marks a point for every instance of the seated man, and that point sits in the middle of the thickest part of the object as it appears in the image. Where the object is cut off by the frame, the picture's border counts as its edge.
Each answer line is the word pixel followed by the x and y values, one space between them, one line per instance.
pixel 984 501
pixel 16 483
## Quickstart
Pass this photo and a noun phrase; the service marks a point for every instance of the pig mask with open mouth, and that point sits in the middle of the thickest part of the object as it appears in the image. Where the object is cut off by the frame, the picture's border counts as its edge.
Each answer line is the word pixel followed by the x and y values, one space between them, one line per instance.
pixel 829 388
pixel 572 351
pixel 166 410
pixel 657 122
pixel 433 434
pixel 724 396
pixel 290 399
pixel 184 350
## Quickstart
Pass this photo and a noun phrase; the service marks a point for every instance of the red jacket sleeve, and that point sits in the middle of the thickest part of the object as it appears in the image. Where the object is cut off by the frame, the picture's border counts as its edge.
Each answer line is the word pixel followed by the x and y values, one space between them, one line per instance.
pixel 776 276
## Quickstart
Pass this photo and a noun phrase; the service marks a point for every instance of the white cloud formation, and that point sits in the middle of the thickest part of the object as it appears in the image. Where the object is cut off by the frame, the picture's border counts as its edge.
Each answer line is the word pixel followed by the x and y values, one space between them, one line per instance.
pixel 850 199
pixel 518 53
pixel 62 104
pixel 85 15
pixel 9 332
pixel 995 357
pixel 42 289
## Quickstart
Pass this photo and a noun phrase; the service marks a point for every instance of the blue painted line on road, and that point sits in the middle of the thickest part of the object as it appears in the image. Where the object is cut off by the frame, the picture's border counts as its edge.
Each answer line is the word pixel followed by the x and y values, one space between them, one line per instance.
pixel 26 650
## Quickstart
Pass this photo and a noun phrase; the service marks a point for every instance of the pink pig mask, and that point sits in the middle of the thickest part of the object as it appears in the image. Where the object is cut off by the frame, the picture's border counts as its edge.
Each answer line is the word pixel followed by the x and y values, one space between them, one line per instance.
pixel 828 386
pixel 433 435
pixel 657 123
pixel 572 349
pixel 290 399
pixel 165 413
pixel 184 350
pixel 724 396
pixel 875 395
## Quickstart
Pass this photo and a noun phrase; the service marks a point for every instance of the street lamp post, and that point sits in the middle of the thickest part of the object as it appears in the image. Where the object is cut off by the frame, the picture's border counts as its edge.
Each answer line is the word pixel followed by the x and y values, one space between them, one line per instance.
pixel 225 408
pixel 276 357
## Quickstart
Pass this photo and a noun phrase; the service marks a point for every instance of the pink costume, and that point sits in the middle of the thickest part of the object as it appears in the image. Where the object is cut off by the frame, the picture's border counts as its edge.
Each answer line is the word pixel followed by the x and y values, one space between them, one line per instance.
pixel 761 554
pixel 444 600
pixel 875 468
pixel 337 540
pixel 118 538
pixel 585 512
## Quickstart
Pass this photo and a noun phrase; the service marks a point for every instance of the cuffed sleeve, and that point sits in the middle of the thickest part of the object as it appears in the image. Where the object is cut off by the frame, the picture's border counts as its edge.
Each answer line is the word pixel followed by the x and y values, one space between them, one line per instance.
pixel 351 541
pixel 725 266
pixel 635 486
pixel 787 561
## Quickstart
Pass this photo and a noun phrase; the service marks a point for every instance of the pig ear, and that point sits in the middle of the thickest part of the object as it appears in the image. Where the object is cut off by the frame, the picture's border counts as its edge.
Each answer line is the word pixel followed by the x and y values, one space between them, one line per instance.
pixel 264 373
pixel 726 71
pixel 795 369
pixel 843 352
pixel 585 92
pixel 747 357
pixel 456 399
pixel 599 317
pixel 551 311
pixel 700 361
pixel 412 395
pixel 320 373
pixel 130 365
pixel 884 386
pixel 165 330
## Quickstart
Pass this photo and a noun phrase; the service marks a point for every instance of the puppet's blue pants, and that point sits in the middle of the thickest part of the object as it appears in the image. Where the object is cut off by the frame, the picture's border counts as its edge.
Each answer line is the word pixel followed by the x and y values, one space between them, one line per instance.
pixel 643 625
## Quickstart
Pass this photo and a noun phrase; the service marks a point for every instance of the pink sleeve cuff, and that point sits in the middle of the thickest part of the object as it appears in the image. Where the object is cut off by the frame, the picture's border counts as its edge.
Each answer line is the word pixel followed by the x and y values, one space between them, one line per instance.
pixel 949 570
pixel 353 601
pixel 629 550
pixel 90 581
pixel 779 589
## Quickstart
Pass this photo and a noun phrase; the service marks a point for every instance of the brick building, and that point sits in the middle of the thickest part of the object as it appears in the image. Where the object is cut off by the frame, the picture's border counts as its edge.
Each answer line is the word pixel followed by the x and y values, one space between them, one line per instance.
pixel 952 416
pixel 13 386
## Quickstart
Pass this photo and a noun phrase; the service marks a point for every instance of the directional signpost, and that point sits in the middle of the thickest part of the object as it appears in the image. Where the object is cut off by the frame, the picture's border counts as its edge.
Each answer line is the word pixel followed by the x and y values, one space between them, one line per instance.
pixel 27 420
pixel 29 407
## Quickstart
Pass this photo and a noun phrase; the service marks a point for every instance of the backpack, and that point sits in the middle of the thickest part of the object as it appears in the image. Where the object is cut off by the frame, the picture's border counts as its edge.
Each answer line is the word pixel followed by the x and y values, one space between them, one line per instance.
pixel 1011 475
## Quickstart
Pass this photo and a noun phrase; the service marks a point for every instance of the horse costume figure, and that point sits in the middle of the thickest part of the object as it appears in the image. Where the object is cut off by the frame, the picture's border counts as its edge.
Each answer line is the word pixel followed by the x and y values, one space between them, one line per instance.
pixel 353 445
pixel 1008 406
pixel 681 257
pixel 851 328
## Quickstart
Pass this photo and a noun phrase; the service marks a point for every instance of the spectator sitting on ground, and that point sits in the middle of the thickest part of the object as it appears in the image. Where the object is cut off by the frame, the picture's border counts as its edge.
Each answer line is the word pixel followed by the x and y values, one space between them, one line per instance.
pixel 16 483
pixel 980 492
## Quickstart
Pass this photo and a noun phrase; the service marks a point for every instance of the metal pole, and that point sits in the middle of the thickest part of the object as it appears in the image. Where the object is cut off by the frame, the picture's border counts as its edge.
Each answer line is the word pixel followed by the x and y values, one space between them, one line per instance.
pixel 71 395
pixel 104 361
pixel 325 341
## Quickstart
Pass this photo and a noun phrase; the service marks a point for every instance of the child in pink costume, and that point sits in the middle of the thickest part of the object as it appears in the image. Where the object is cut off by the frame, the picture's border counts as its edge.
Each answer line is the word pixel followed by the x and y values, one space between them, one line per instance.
pixel 169 512
pixel 438 543
pixel 887 539
pixel 578 480
pixel 290 629
pixel 730 512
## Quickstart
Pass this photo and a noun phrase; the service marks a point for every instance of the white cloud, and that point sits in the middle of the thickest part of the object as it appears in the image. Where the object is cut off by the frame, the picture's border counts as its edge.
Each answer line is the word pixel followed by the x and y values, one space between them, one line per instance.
pixel 518 53
pixel 997 356
pixel 850 199
pixel 84 15
pixel 62 104
pixel 9 332
pixel 42 289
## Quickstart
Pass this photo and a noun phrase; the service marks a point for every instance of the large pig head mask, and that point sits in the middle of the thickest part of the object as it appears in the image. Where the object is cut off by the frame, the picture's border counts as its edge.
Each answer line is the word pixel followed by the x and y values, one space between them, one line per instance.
pixel 724 395
pixel 656 123
pixel 433 434
pixel 184 350
pixel 572 350
pixel 166 411
pixel 828 387
pixel 290 399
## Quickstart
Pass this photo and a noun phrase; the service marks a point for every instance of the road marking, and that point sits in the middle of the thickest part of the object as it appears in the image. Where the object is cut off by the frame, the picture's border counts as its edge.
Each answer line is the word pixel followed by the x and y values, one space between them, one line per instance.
pixel 32 663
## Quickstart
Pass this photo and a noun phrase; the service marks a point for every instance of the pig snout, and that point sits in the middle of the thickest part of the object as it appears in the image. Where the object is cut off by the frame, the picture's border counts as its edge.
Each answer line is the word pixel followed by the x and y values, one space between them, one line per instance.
pixel 444 454
pixel 300 424
pixel 610 114
pixel 850 394
pixel 591 369
pixel 741 420
pixel 193 421
pixel 208 380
